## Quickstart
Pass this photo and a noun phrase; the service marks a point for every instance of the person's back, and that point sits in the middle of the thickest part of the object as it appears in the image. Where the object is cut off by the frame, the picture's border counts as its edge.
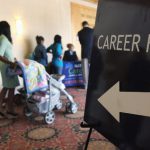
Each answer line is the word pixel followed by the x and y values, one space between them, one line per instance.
pixel 40 51
pixel 86 40
pixel 56 50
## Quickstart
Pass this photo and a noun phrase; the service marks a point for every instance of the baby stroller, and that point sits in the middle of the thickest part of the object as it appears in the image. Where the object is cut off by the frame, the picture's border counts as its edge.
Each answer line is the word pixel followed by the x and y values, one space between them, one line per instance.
pixel 45 97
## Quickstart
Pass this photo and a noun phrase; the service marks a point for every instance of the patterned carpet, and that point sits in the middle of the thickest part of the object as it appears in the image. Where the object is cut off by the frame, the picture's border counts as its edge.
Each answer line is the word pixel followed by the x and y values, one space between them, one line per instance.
pixel 64 134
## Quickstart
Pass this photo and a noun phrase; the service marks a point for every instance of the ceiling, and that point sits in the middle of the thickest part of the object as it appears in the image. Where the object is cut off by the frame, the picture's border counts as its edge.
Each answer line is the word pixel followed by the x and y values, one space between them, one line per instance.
pixel 93 1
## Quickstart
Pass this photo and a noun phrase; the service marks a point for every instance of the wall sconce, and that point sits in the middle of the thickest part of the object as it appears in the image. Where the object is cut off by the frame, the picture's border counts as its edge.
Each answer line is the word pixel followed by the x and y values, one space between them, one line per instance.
pixel 19 26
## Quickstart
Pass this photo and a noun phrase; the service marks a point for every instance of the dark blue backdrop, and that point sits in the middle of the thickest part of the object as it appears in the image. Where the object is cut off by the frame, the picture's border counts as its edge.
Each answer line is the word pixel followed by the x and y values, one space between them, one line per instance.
pixel 73 73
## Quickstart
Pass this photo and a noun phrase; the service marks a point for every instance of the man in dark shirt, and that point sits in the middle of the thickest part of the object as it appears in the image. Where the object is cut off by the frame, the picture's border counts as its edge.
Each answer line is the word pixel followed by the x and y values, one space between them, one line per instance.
pixel 86 40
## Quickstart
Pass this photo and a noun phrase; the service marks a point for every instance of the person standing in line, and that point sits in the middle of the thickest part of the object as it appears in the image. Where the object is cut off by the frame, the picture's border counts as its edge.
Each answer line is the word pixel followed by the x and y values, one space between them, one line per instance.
pixel 7 59
pixel 40 53
pixel 56 50
pixel 85 36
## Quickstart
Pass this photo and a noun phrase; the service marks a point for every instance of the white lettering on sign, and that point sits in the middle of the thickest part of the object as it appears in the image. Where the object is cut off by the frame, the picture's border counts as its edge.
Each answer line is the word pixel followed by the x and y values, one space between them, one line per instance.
pixel 148 44
pixel 119 42
pixel 98 43
pixel 113 40
pixel 127 42
pixel 106 44
pixel 135 43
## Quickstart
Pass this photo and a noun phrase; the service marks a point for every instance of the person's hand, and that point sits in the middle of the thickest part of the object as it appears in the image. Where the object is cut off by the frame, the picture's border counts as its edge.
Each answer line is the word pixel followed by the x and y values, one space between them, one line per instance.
pixel 15 60
pixel 13 64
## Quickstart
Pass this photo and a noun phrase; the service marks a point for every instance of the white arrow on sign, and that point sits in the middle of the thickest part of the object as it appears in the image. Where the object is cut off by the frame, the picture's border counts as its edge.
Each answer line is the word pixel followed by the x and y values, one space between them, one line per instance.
pixel 128 102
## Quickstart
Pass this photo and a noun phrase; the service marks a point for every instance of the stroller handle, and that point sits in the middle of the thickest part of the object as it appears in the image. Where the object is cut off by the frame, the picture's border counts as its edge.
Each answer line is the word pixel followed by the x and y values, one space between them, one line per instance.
pixel 48 76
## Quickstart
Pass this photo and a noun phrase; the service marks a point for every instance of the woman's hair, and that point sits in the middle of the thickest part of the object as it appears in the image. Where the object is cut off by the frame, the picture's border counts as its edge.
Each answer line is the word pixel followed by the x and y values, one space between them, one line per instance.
pixel 57 39
pixel 39 39
pixel 69 45
pixel 5 30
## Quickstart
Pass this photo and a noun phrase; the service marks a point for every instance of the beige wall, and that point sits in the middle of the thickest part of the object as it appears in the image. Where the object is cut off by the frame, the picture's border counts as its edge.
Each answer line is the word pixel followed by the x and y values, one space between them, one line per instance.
pixel 38 17
pixel 84 13
pixel 46 18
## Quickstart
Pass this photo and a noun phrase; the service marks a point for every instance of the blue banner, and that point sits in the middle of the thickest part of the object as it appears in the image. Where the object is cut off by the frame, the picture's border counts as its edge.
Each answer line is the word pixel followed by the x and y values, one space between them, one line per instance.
pixel 73 73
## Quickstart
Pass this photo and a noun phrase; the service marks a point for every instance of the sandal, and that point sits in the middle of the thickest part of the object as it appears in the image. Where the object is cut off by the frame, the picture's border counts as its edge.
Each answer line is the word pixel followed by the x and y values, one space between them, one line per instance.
pixel 3 115
pixel 12 115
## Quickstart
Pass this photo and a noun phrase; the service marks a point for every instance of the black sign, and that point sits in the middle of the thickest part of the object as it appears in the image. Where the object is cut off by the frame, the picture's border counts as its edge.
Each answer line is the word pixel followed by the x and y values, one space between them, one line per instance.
pixel 121 56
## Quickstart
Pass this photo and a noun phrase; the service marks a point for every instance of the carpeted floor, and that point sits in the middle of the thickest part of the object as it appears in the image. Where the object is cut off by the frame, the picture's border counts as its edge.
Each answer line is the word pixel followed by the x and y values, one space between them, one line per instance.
pixel 64 134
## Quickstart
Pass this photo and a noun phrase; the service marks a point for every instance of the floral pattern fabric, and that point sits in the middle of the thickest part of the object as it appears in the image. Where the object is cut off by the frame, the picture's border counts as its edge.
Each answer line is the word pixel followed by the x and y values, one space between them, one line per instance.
pixel 34 75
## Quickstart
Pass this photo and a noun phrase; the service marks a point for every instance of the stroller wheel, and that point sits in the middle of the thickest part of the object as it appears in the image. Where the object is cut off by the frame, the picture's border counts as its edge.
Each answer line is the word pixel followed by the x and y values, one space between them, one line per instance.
pixel 50 117
pixel 74 108
pixel 59 105
pixel 27 112
pixel 71 108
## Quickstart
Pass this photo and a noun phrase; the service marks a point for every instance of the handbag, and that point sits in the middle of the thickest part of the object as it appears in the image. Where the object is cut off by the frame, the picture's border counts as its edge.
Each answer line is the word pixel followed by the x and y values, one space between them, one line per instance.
pixel 13 71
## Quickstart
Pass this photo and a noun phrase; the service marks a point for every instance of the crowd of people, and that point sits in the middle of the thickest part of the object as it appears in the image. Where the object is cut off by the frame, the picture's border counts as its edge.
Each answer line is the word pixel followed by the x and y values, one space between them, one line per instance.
pixel 56 49
pixel 85 38
pixel 40 55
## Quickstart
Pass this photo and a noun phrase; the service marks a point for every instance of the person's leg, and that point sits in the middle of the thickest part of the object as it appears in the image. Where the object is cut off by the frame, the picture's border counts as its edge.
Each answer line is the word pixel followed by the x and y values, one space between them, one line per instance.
pixel 10 108
pixel 59 70
pixel 5 98
pixel 55 70
pixel 52 69
pixel 2 97
pixel 85 70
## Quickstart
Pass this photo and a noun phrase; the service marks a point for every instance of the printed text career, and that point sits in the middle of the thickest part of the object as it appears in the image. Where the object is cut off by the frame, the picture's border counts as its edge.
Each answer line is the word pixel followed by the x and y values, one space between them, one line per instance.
pixel 128 42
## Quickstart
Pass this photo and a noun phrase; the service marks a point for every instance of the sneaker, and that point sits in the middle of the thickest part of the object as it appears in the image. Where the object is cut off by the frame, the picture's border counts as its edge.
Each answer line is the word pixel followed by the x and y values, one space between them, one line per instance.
pixel 28 113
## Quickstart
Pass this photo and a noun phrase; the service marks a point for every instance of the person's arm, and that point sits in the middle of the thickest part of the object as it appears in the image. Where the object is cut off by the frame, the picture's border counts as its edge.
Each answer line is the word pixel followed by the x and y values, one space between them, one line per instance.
pixel 75 55
pixel 79 37
pixel 2 51
pixel 65 56
pixel 49 49
pixel 44 55
pixel 33 56
pixel 43 51
pixel 6 61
